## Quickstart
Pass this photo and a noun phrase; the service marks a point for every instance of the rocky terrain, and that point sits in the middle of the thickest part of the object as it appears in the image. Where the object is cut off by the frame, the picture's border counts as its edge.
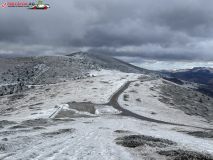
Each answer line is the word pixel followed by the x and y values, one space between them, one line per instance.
pixel 78 107
pixel 113 63
pixel 79 119
pixel 19 74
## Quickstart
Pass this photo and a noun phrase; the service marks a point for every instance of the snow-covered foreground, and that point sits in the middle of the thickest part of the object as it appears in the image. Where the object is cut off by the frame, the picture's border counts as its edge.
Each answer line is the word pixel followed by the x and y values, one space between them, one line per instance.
pixel 92 137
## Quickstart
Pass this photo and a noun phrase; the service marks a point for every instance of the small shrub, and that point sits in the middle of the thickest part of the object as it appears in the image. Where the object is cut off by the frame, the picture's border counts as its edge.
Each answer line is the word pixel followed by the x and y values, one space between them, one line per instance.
pixel 138 99
pixel 134 91
pixel 125 97
pixel 136 84
pixel 185 155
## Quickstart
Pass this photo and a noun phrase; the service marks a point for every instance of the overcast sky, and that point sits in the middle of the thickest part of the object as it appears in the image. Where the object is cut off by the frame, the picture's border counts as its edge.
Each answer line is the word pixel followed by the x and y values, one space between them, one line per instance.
pixel 153 34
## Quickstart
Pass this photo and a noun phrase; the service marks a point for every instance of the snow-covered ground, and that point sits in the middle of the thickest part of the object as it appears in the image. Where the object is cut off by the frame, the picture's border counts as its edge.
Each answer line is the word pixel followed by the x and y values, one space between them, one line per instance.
pixel 188 84
pixel 93 137
pixel 96 89
pixel 150 106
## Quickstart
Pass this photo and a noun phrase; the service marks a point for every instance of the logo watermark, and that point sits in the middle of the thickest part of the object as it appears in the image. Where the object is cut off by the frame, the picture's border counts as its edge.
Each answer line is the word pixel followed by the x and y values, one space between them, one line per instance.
pixel 3 5
pixel 30 5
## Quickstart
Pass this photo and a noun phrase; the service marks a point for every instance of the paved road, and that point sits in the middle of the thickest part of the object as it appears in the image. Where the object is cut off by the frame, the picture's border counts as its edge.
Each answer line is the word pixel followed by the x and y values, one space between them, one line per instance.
pixel 113 102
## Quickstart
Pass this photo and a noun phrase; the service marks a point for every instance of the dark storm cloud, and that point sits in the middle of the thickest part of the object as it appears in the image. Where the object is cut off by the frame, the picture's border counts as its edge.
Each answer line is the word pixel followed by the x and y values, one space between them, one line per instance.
pixel 118 35
pixel 14 30
pixel 155 30
pixel 191 19
pixel 156 55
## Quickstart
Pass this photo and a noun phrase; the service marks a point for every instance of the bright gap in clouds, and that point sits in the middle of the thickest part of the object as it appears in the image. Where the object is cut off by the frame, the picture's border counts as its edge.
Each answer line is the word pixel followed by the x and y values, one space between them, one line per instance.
pixel 160 65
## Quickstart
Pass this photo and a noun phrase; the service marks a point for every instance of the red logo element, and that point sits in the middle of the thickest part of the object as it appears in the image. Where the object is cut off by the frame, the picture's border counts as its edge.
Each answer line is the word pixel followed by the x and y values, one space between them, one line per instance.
pixel 4 5
pixel 17 4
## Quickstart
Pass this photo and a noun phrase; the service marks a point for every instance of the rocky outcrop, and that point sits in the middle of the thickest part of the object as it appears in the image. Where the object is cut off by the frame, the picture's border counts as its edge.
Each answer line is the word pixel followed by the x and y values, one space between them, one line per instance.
pixel 12 88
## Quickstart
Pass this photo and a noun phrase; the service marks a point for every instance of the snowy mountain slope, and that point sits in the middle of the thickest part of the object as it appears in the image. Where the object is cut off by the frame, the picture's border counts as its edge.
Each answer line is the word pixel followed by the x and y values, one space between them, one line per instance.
pixel 156 98
pixel 81 132
pixel 113 63
pixel 19 73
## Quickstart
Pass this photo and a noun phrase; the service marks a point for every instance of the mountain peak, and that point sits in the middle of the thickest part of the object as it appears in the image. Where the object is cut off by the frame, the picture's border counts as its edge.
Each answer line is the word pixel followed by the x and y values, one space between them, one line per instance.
pixel 112 63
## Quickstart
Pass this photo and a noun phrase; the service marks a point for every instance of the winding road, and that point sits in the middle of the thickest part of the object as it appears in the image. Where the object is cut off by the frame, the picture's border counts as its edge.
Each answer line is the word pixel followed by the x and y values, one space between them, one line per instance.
pixel 114 102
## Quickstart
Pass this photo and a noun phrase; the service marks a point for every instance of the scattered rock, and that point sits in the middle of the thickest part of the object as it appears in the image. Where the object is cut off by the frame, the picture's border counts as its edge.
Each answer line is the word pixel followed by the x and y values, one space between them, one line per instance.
pixel 38 128
pixel 122 131
pixel 138 99
pixel 3 147
pixel 151 88
pixel 103 128
pixel 125 96
pixel 4 139
pixel 134 91
pixel 37 122
pixel 6 122
pixel 63 119
pixel 36 104
pixel 133 141
pixel 202 134
pixel 61 131
pixel 7 133
pixel 19 126
pixel 185 155
pixel 16 97
pixel 86 122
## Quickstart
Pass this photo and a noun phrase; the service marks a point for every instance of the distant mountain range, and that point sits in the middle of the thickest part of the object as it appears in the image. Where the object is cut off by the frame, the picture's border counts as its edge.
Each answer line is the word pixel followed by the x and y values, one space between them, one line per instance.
pixel 202 75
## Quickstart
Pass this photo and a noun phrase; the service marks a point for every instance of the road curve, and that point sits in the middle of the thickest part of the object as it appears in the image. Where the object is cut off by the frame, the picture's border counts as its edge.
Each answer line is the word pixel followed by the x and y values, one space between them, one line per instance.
pixel 113 102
